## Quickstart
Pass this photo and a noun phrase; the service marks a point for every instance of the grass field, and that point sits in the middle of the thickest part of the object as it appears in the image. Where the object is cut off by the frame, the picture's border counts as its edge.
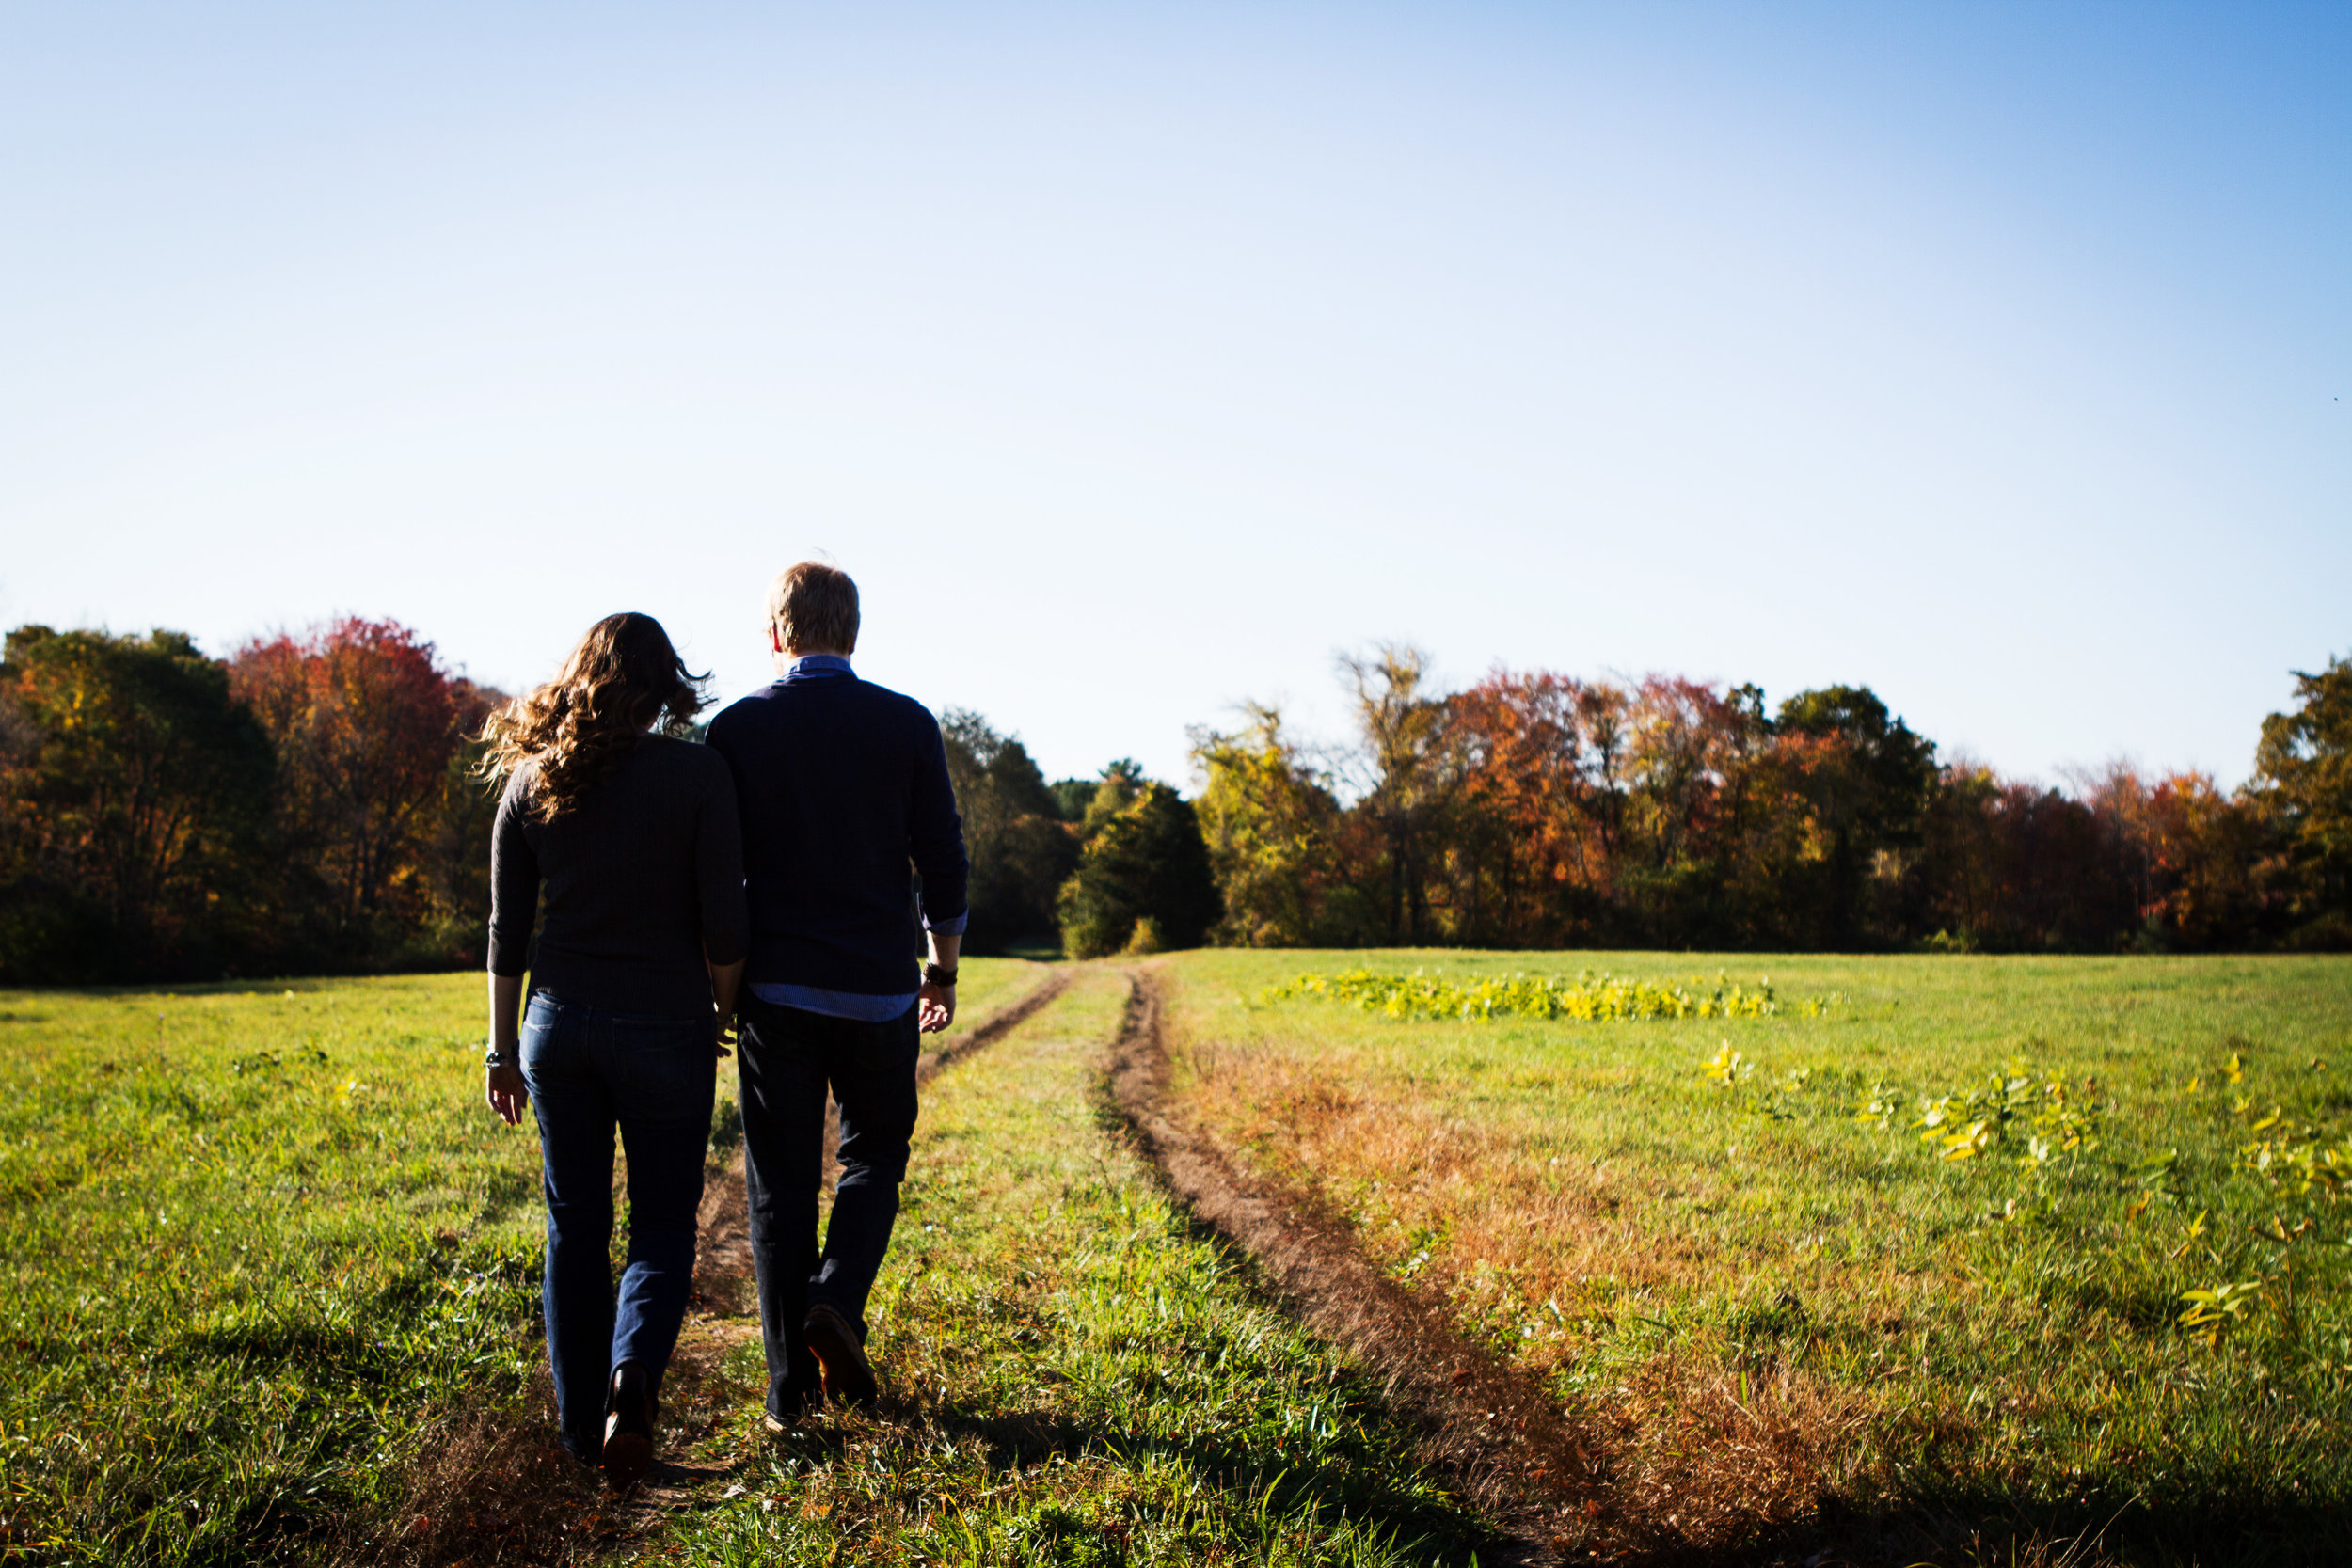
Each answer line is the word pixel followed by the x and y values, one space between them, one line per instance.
pixel 1735 1255
pixel 251 1239
pixel 255 1241
pixel 261 1247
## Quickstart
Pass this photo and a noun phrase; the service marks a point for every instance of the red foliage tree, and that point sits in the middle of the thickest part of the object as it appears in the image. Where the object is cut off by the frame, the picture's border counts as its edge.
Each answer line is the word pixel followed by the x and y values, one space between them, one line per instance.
pixel 366 723
pixel 1526 839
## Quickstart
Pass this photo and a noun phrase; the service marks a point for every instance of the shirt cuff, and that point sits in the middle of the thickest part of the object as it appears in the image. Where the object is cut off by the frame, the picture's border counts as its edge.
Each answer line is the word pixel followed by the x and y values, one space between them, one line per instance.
pixel 952 926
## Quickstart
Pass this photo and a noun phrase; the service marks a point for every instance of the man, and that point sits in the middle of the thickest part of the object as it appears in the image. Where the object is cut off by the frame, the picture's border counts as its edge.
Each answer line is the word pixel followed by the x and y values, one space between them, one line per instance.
pixel 842 785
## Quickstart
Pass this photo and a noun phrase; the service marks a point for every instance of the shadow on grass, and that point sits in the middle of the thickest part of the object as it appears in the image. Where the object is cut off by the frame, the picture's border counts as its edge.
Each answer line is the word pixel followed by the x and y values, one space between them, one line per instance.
pixel 1326 1487
pixel 1982 1530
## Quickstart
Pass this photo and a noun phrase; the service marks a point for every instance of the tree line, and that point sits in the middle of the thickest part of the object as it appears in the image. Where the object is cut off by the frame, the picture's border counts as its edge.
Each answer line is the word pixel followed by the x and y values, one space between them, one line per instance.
pixel 1539 810
pixel 310 804
pixel 307 804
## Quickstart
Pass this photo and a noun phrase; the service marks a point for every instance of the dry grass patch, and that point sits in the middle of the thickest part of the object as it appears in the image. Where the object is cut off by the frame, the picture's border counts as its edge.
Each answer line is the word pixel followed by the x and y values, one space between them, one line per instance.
pixel 484 1488
pixel 1688 1456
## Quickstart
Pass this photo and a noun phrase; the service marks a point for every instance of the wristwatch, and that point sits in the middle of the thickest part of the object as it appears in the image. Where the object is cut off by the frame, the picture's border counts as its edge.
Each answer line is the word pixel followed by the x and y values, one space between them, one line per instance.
pixel 934 975
pixel 494 1057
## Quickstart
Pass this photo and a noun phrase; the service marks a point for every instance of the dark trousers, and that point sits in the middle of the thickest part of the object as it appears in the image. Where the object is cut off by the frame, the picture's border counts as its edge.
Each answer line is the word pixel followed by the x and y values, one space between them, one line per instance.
pixel 789 1059
pixel 588 1071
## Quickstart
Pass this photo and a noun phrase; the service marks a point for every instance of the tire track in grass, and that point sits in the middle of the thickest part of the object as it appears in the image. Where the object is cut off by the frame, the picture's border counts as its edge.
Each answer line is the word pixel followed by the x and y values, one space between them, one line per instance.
pixel 1494 1428
pixel 1072 1373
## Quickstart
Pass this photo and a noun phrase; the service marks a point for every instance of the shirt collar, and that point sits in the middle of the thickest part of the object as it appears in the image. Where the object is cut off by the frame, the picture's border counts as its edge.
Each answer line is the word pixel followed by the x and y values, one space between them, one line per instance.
pixel 816 666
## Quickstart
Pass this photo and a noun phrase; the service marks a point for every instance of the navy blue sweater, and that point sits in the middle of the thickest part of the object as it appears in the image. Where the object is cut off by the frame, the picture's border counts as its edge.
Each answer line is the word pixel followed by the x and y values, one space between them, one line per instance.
pixel 843 789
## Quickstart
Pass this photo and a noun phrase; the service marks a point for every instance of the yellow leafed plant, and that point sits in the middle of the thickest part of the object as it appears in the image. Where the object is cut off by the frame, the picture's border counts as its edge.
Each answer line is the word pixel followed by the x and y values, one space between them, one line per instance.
pixel 1589 997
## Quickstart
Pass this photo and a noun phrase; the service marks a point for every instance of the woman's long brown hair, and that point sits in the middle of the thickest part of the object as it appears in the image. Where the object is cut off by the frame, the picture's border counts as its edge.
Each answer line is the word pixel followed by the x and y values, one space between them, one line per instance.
pixel 622 682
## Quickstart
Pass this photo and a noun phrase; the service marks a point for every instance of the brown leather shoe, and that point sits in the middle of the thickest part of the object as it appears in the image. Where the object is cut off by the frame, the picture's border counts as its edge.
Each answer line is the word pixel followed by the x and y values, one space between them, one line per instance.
pixel 848 1377
pixel 628 1409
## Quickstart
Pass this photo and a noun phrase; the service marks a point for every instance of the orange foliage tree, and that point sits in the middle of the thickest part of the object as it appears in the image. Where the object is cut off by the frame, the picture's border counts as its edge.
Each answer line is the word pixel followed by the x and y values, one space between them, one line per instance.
pixel 1531 850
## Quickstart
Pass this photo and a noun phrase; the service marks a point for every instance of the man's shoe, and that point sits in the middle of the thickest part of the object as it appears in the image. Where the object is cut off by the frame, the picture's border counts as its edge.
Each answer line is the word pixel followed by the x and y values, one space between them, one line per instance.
pixel 629 1407
pixel 848 1378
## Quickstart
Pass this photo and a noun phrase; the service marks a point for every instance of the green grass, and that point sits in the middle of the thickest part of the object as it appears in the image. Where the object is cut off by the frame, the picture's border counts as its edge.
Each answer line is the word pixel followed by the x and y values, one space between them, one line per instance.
pixel 1073 1374
pixel 252 1239
pixel 255 1243
pixel 249 1236
pixel 1997 1334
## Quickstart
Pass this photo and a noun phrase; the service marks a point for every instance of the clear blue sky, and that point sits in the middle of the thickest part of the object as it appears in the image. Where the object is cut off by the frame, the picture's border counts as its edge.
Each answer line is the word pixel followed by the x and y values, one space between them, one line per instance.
pixel 1135 359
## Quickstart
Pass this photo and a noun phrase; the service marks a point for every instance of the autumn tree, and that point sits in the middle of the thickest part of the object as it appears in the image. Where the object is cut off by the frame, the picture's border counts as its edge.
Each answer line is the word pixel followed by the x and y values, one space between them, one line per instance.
pixel 366 724
pixel 1682 774
pixel 2007 865
pixel 1407 764
pixel 1861 781
pixel 456 847
pixel 1071 798
pixel 2215 865
pixel 132 786
pixel 1272 827
pixel 1533 846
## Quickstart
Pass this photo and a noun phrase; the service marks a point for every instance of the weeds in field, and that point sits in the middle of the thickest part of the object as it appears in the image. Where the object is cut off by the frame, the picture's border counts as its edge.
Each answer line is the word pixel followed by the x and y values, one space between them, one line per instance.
pixel 2296 1157
pixel 2018 1102
pixel 1588 998
pixel 2210 1310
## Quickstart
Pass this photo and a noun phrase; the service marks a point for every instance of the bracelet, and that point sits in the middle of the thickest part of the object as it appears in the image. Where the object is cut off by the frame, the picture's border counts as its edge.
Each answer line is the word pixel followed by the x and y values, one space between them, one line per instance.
pixel 934 975
pixel 494 1057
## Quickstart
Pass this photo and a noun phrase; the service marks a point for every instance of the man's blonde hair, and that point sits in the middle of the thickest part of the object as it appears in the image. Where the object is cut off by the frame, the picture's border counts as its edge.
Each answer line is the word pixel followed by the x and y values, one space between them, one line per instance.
pixel 813 608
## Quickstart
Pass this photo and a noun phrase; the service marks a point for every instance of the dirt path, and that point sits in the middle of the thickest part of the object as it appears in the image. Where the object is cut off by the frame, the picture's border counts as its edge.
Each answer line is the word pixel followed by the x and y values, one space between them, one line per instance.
pixel 724 1312
pixel 1492 1427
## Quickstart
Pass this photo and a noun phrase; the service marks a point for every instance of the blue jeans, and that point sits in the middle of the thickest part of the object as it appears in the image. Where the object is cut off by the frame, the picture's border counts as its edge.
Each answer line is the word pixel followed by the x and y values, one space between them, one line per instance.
pixel 587 1071
pixel 788 1059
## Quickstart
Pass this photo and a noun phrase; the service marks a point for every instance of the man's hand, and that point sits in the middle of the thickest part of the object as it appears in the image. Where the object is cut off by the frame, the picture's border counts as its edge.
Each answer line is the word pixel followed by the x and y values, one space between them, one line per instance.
pixel 504 1090
pixel 934 1006
pixel 723 1032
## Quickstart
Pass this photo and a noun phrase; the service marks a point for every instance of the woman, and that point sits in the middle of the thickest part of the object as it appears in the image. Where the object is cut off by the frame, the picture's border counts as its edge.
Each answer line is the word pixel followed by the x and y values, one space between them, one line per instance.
pixel 631 831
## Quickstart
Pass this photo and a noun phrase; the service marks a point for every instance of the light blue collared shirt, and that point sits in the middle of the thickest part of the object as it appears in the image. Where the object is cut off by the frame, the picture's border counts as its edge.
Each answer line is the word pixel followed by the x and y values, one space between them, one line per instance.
pixel 846 1004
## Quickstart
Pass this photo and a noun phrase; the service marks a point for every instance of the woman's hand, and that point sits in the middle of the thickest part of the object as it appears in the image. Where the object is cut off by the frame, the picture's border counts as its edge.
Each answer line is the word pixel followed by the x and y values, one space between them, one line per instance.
pixel 721 1032
pixel 503 1088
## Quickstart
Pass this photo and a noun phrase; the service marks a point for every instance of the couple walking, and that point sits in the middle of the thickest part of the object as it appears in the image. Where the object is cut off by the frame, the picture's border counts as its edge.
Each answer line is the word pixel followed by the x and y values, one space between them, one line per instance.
pixel 755 891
